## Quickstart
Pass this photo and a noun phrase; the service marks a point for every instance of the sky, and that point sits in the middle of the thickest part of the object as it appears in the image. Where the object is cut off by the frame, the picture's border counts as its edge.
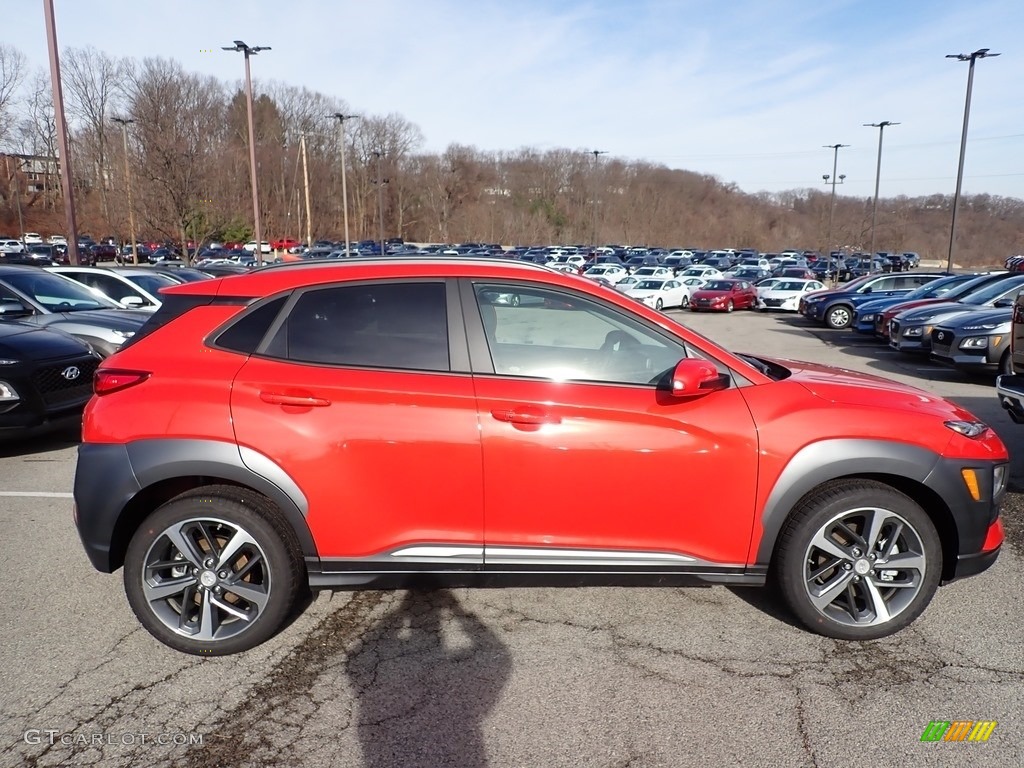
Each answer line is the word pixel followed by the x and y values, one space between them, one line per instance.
pixel 749 91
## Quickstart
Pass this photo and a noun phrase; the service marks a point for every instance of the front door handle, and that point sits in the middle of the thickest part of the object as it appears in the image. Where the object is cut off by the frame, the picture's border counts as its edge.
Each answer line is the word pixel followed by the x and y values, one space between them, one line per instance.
pixel 525 415
pixel 300 400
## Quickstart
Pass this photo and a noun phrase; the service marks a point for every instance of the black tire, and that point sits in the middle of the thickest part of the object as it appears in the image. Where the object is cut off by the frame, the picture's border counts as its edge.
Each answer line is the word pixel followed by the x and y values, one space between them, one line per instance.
pixel 838 317
pixel 1006 363
pixel 730 306
pixel 849 589
pixel 270 570
pixel 659 304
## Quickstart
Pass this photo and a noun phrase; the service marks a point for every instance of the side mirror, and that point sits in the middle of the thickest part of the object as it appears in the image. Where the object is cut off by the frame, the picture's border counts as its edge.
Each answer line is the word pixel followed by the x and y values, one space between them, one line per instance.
pixel 1007 302
pixel 867 290
pixel 12 308
pixel 692 378
pixel 132 302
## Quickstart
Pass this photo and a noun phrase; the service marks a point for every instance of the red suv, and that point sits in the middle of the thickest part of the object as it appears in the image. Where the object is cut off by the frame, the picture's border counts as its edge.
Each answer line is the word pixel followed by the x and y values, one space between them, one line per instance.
pixel 366 422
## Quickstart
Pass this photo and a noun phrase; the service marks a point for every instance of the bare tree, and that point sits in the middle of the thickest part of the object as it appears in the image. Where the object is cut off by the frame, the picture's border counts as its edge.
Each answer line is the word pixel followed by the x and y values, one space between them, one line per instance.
pixel 13 68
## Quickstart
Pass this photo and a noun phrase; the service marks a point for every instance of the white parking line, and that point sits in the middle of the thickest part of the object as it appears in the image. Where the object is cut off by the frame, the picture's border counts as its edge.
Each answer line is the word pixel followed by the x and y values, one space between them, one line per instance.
pixel 38 494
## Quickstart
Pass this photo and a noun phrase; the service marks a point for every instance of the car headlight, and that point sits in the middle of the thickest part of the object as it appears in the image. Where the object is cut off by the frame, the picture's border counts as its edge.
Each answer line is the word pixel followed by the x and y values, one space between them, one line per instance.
pixel 8 361
pixel 967 428
pixel 868 318
pixel 982 327
pixel 916 331
pixel 8 394
pixel 974 342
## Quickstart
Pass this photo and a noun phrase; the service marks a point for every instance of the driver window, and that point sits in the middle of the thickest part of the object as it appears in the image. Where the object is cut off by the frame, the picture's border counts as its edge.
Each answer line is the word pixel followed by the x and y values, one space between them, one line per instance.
pixel 541 333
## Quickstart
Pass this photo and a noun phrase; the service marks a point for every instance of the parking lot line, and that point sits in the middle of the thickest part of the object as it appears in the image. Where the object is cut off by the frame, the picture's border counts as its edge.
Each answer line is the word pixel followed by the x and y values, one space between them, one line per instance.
pixel 38 494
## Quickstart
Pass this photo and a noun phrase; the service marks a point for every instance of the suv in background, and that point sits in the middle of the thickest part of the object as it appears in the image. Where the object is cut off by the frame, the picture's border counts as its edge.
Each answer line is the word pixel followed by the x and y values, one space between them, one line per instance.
pixel 309 383
pixel 837 307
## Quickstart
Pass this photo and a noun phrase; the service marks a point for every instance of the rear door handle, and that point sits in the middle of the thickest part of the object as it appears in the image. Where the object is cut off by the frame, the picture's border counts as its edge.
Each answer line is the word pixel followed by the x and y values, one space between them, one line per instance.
pixel 528 416
pixel 300 400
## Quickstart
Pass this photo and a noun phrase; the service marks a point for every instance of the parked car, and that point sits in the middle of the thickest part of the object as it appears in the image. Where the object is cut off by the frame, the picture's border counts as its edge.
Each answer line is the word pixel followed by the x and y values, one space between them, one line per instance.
pixel 724 296
pixel 282 244
pixel 264 247
pixel 700 271
pixel 835 308
pixel 606 273
pixel 975 342
pixel 785 294
pixel 45 378
pixel 910 331
pixel 868 316
pixel 12 246
pixel 626 283
pixel 104 252
pixel 31 238
pixel 855 495
pixel 660 292
pixel 957 294
pixel 129 293
pixel 35 296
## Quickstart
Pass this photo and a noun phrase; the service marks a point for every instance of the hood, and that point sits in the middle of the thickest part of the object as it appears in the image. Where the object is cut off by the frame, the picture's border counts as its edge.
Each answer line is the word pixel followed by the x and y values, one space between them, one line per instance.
pixel 840 385
pixel 903 306
pixel 878 305
pixel 943 308
pixel 707 293
pixel 114 319
pixel 993 317
pixel 30 342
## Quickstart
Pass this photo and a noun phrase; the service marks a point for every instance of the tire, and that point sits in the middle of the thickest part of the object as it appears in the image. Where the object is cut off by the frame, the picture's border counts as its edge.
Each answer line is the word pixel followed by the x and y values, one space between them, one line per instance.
pixel 1006 363
pixel 838 317
pixel 834 586
pixel 730 306
pixel 266 563
pixel 659 304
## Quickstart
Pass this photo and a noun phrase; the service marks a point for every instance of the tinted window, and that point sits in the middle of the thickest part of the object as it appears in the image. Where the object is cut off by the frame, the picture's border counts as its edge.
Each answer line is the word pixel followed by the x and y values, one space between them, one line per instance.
pixel 394 325
pixel 248 331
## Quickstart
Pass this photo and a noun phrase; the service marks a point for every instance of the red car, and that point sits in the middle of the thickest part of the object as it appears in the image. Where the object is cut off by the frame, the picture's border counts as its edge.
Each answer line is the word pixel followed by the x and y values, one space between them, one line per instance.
pixel 724 296
pixel 369 422
pixel 285 243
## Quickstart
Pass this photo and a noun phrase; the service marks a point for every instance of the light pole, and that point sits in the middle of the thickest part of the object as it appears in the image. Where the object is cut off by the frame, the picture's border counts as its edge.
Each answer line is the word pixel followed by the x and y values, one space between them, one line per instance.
pixel 381 181
pixel 123 122
pixel 305 183
pixel 832 204
pixel 251 51
pixel 981 53
pixel 62 134
pixel 878 175
pixel 341 118
pixel 593 212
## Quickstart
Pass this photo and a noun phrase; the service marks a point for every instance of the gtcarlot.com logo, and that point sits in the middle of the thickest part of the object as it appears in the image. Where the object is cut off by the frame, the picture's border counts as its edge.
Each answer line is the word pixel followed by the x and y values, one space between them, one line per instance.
pixel 958 730
pixel 127 739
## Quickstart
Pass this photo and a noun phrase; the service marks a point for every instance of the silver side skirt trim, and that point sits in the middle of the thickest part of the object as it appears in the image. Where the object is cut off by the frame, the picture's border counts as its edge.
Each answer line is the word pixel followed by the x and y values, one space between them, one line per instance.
pixel 587 557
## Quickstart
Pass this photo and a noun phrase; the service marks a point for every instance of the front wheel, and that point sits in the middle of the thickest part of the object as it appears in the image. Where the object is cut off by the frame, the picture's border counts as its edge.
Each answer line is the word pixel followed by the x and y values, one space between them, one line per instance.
pixel 659 304
pixel 730 306
pixel 839 317
pixel 213 572
pixel 858 560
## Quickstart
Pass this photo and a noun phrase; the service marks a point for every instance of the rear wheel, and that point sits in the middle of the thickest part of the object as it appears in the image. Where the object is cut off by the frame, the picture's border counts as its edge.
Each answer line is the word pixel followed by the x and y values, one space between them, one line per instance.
pixel 1006 363
pixel 858 560
pixel 213 572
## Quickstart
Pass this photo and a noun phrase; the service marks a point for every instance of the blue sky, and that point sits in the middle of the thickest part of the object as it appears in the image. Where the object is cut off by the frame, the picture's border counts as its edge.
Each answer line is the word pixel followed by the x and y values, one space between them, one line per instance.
pixel 746 91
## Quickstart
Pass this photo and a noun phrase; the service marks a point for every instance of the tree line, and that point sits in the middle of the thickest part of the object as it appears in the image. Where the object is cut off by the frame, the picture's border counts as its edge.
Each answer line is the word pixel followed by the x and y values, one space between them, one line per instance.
pixel 188 156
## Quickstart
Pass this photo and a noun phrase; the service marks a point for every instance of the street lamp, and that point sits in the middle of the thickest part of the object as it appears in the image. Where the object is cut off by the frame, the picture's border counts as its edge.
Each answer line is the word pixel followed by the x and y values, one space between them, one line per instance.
pixel 593 226
pixel 981 53
pixel 251 51
pixel 381 181
pixel 341 118
pixel 832 204
pixel 878 174
pixel 62 134
pixel 123 122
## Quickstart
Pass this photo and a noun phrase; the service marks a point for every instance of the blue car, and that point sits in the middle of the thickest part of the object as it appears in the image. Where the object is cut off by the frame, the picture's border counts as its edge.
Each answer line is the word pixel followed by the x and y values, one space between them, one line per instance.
pixel 836 308
pixel 866 313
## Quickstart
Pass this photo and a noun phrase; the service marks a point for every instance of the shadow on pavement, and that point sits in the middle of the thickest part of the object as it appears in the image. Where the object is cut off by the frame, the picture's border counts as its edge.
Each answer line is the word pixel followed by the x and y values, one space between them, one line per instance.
pixel 427 674
pixel 53 441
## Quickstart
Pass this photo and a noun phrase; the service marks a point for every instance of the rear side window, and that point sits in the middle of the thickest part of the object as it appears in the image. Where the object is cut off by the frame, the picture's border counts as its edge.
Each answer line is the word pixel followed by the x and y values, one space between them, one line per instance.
pixel 246 333
pixel 173 307
pixel 382 325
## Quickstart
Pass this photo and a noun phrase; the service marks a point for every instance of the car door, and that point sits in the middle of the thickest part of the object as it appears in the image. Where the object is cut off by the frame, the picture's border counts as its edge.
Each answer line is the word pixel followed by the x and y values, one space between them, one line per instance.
pixel 371 409
pixel 581 438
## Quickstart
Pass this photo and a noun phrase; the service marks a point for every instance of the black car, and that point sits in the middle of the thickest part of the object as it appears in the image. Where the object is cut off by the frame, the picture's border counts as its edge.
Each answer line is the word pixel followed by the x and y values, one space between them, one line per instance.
pixel 45 379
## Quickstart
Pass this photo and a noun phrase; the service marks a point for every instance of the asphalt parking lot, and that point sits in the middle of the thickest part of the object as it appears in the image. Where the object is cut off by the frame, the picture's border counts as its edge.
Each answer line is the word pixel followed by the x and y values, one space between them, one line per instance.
pixel 543 677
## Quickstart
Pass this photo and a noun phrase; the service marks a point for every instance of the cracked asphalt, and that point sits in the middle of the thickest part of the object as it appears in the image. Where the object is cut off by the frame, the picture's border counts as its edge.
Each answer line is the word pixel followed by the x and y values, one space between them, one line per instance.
pixel 609 677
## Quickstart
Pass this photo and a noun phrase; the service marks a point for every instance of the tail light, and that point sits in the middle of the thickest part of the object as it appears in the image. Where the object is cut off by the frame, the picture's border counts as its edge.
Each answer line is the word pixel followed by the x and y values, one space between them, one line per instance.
pixel 109 380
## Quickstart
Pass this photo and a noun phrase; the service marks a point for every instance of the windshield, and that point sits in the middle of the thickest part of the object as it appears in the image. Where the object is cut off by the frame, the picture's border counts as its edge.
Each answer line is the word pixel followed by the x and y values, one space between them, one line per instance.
pixel 718 285
pixel 55 293
pixel 994 291
pixel 151 284
pixel 791 286
pixel 966 289
pixel 935 288
pixel 650 285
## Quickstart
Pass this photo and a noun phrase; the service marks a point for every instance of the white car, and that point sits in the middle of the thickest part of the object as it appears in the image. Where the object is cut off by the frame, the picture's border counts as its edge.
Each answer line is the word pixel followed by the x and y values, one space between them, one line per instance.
pixel 31 238
pixel 629 281
pixel 699 271
pixel 649 272
pixel 660 292
pixel 693 283
pixel 251 247
pixel 785 294
pixel 767 284
pixel 12 246
pixel 606 273
pixel 566 262
pixel 57 240
pixel 131 288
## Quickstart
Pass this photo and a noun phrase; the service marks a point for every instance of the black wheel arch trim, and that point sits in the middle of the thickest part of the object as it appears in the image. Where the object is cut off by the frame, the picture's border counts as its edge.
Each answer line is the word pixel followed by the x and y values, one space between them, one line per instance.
pixel 110 476
pixel 826 460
